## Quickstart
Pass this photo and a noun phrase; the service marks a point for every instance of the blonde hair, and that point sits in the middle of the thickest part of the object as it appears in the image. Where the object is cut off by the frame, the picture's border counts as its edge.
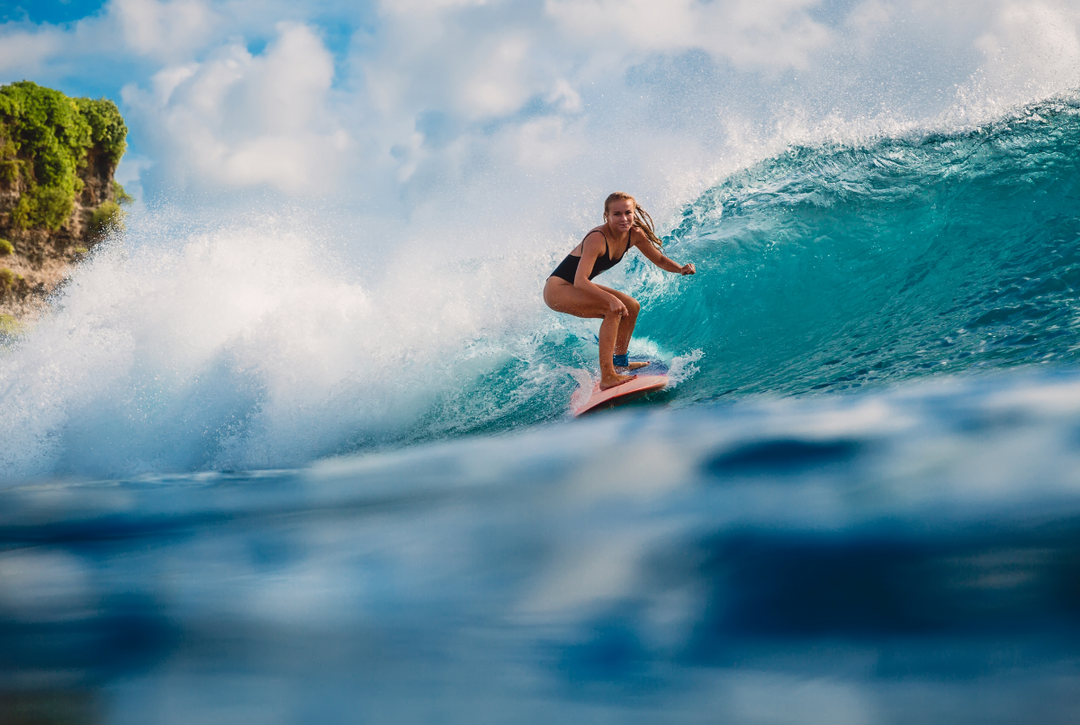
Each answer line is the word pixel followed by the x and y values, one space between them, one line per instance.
pixel 642 220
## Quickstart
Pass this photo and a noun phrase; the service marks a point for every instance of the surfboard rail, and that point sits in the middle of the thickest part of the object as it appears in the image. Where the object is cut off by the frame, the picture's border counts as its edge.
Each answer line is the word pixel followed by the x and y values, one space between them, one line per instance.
pixel 600 399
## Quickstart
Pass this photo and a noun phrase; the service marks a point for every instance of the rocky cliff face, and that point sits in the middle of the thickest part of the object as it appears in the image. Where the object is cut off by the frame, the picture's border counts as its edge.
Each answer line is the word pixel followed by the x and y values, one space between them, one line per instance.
pixel 58 197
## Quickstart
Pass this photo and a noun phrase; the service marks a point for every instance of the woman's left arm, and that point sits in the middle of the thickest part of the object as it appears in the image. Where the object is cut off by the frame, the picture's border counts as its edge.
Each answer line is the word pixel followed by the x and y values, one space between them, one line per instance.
pixel 657 257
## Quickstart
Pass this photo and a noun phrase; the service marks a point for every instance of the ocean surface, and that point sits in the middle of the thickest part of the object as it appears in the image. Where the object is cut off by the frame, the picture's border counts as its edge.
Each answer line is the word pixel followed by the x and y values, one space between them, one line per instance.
pixel 240 487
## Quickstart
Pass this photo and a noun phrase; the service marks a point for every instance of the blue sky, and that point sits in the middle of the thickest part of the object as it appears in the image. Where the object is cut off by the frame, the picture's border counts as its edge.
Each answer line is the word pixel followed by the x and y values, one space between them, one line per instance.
pixel 392 101
pixel 48 11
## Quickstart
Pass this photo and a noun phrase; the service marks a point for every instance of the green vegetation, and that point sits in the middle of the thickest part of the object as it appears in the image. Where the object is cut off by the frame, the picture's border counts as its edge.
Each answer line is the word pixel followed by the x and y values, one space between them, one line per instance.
pixel 8 278
pixel 108 217
pixel 108 132
pixel 45 139
pixel 122 197
pixel 9 325
pixel 79 250
pixel 9 165
pixel 6 247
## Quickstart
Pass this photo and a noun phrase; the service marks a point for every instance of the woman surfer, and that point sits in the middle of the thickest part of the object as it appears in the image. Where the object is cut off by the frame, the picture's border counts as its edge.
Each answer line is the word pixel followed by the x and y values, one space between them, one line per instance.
pixel 570 288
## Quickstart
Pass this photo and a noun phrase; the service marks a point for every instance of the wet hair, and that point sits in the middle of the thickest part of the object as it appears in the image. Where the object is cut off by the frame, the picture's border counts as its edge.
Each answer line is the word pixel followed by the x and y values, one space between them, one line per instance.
pixel 642 220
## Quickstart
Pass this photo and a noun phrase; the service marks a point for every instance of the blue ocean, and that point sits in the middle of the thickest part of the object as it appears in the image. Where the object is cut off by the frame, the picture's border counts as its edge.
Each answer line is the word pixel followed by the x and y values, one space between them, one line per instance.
pixel 241 484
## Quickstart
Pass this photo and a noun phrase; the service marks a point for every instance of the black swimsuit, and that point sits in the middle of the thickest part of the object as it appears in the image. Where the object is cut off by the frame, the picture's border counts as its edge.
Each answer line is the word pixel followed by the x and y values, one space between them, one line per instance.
pixel 567 269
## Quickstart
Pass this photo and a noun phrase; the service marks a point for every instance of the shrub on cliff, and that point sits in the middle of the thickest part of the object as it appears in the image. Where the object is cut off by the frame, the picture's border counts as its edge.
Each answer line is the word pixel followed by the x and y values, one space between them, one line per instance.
pixel 108 132
pixel 9 326
pixel 45 139
pixel 6 248
pixel 7 278
pixel 122 197
pixel 106 218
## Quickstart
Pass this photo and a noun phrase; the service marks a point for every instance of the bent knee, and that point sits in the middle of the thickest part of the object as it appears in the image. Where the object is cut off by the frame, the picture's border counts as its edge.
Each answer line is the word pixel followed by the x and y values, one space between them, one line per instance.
pixel 551 295
pixel 633 306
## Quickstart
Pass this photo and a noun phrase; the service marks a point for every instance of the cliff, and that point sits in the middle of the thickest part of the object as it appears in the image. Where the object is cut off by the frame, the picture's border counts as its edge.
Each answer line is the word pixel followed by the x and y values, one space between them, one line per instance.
pixel 58 197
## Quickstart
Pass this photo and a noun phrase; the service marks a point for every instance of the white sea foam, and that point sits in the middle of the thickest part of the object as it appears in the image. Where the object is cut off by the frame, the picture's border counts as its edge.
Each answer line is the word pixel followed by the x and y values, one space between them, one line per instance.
pixel 250 345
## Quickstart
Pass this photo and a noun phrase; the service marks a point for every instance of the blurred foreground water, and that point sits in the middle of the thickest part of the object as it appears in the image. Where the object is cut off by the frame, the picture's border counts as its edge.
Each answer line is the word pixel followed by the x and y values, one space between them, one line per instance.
pixel 893 557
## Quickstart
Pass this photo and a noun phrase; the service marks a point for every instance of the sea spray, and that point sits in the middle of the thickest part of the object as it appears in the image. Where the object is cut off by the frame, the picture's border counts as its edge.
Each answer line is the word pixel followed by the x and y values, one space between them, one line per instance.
pixel 248 346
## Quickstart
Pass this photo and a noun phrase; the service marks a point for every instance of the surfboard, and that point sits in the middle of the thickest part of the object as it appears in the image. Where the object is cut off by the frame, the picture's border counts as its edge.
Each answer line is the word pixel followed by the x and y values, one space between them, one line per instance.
pixel 649 379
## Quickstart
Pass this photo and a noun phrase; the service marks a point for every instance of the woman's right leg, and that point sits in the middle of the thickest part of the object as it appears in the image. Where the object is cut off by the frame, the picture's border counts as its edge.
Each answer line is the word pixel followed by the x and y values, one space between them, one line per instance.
pixel 562 296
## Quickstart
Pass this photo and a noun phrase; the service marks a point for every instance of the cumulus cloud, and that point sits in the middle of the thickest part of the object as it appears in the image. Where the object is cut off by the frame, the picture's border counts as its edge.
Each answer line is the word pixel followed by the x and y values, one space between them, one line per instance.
pixel 239 120
pixel 548 143
pixel 770 33
pixel 124 33
pixel 433 94
pixel 513 78
pixel 497 87
pixel 163 29
pixel 24 52
pixel 456 91
pixel 425 7
pixel 458 63
pixel 564 97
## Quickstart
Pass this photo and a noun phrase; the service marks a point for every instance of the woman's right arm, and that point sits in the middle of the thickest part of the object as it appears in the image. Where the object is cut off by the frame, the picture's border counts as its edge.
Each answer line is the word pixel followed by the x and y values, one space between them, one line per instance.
pixel 591 248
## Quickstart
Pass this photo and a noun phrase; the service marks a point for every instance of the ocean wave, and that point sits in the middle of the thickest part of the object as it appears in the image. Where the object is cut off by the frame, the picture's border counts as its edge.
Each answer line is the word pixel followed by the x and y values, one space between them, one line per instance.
pixel 247 345
pixel 836 266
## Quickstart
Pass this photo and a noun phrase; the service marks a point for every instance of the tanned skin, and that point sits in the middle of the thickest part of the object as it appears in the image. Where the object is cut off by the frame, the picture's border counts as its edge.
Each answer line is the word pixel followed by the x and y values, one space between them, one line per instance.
pixel 618 310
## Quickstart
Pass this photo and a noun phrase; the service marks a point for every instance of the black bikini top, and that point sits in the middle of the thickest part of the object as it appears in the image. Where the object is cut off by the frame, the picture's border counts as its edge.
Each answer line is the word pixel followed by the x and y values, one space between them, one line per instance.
pixel 567 269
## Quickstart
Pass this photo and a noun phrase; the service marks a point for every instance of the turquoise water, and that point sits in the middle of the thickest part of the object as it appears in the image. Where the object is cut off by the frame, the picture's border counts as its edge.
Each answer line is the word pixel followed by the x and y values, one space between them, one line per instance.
pixel 857 503
pixel 836 267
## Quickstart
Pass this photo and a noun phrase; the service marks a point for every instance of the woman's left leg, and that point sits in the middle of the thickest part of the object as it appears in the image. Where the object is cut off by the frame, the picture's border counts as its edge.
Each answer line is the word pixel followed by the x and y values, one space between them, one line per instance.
pixel 562 296
pixel 626 325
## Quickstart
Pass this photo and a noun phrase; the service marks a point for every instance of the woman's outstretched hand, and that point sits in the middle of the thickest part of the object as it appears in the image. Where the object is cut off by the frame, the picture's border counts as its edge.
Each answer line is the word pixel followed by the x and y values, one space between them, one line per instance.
pixel 687 268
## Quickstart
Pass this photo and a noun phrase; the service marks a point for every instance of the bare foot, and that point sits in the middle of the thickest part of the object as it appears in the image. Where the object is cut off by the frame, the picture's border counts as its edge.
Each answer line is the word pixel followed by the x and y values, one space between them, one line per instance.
pixel 610 382
pixel 633 366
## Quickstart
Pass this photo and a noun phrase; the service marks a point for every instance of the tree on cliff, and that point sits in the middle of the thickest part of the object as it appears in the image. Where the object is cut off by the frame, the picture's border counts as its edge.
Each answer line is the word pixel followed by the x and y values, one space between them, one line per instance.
pixel 57 193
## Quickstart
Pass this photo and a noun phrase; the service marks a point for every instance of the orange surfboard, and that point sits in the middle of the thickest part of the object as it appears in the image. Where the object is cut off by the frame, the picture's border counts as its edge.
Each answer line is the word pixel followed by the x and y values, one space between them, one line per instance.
pixel 600 399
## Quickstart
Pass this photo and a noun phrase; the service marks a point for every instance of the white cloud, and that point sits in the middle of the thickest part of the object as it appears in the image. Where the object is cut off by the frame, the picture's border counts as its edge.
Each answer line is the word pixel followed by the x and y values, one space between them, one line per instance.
pixel 241 120
pixel 126 31
pixel 25 52
pixel 471 67
pixel 565 97
pixel 769 33
pixel 496 86
pixel 166 81
pixel 166 29
pixel 425 7
pixel 291 163
pixel 433 91
pixel 547 143
pixel 518 84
